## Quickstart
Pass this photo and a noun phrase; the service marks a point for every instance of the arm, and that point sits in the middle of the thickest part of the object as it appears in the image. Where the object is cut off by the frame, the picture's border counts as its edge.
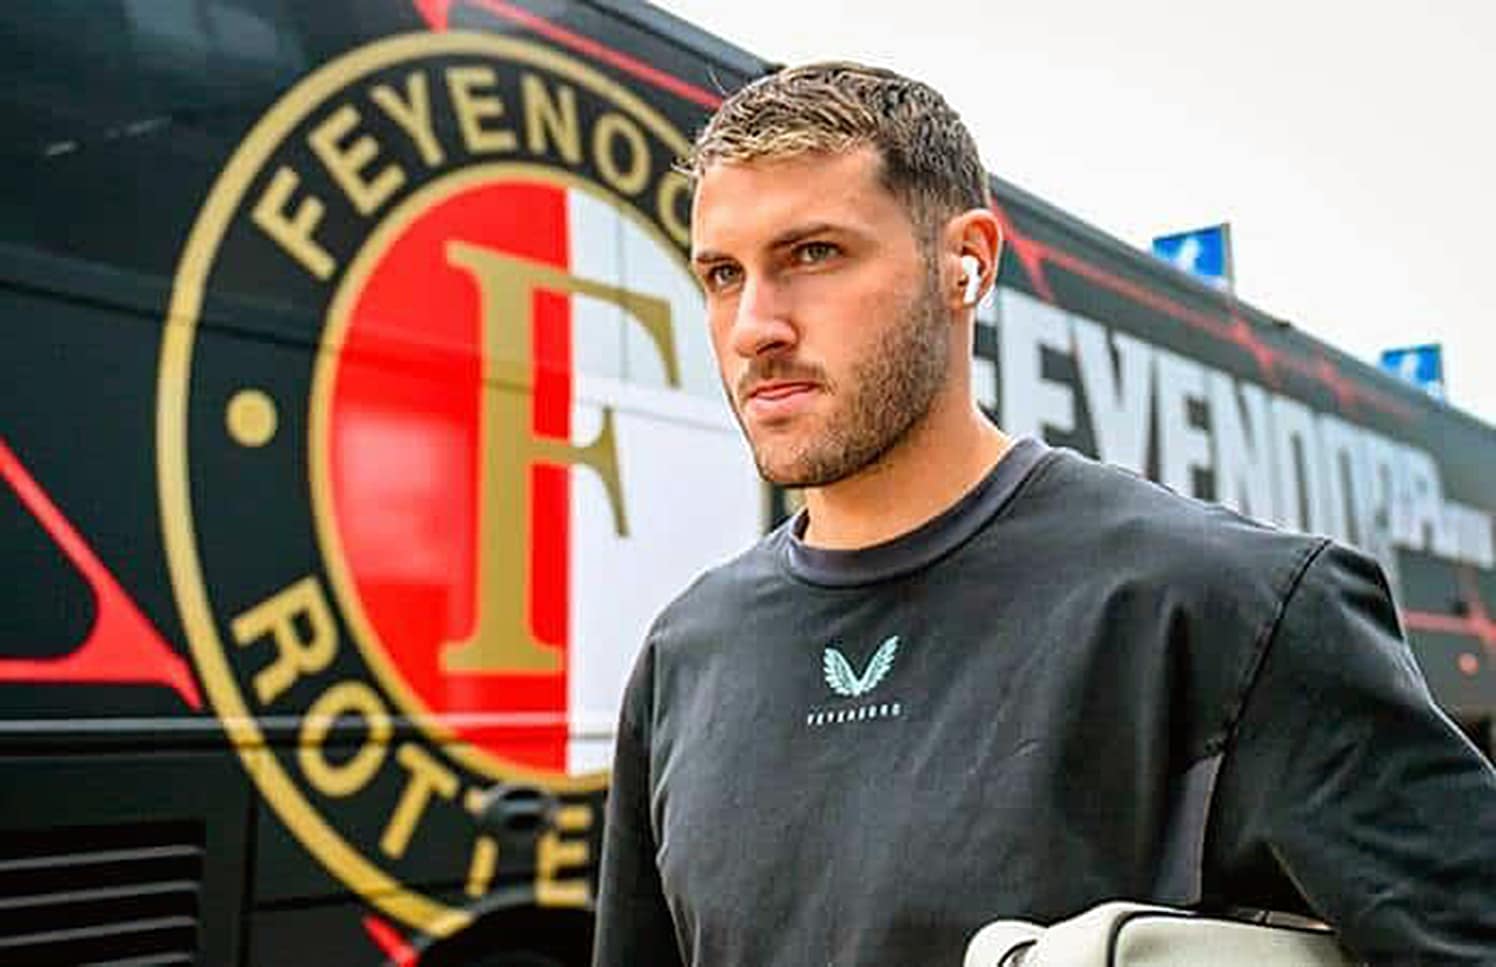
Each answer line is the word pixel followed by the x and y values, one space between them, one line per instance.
pixel 634 927
pixel 1343 776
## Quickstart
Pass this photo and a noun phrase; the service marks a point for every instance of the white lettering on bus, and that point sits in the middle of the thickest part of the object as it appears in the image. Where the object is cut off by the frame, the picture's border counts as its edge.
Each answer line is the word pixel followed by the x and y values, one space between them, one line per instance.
pixel 1029 401
pixel 1268 455
pixel 1119 395
pixel 1183 447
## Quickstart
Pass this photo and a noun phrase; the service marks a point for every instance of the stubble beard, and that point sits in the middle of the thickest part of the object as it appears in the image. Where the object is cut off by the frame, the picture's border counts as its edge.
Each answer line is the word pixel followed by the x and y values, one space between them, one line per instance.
pixel 885 397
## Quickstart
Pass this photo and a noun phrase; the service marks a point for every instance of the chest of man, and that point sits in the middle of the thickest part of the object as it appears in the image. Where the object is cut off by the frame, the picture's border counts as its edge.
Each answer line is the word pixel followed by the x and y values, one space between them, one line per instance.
pixel 865 778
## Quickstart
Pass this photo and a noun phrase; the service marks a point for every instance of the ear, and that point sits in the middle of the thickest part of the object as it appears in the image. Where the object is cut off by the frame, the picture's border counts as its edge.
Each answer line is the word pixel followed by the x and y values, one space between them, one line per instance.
pixel 974 236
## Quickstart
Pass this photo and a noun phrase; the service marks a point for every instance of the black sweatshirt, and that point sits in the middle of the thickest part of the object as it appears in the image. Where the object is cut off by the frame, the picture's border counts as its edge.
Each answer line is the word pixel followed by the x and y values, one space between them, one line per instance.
pixel 1072 686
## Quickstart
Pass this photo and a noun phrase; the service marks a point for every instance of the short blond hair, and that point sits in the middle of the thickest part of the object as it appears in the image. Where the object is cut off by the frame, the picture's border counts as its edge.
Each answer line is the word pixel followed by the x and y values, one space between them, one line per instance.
pixel 929 159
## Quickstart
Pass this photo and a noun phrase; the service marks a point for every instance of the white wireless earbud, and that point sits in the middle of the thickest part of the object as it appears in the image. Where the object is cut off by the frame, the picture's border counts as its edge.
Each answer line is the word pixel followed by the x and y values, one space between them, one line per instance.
pixel 972 279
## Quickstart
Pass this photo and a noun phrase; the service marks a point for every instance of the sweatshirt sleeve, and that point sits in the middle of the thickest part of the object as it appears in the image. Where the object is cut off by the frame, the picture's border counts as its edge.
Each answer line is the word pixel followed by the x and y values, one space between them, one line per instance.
pixel 634 926
pixel 1346 777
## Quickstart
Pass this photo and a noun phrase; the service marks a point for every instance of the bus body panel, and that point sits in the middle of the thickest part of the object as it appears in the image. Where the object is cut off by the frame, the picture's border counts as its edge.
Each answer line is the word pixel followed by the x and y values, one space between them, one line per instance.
pixel 360 414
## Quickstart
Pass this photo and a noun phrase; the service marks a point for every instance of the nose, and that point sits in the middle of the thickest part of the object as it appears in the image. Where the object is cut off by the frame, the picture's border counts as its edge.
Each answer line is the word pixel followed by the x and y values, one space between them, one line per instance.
pixel 762 324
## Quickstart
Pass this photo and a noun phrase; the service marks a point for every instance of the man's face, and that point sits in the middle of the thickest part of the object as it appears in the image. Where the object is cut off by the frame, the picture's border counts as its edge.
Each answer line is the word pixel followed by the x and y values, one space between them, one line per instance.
pixel 826 316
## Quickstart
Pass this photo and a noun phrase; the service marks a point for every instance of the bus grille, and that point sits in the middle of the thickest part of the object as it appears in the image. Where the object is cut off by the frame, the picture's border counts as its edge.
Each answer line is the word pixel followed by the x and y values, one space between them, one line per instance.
pixel 123 896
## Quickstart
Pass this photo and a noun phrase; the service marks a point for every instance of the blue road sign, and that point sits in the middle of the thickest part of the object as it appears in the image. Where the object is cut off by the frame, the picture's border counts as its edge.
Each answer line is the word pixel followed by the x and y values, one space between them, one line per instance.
pixel 1204 253
pixel 1423 366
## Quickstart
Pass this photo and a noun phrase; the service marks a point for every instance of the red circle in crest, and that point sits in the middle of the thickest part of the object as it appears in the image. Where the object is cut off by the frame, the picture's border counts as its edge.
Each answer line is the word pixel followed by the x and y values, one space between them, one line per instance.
pixel 403 464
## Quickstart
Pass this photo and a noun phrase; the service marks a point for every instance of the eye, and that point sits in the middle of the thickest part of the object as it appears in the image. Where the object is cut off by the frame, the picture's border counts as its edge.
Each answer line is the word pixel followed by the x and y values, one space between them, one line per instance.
pixel 813 252
pixel 721 275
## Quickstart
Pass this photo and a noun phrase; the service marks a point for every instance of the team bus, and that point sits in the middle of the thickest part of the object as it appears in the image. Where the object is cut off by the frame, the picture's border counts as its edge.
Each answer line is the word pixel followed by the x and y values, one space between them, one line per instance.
pixel 357 413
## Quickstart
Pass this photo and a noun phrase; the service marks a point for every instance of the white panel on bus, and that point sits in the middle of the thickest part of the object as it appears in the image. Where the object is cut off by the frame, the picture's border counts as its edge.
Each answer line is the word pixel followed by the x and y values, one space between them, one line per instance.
pixel 595 233
pixel 647 269
pixel 690 492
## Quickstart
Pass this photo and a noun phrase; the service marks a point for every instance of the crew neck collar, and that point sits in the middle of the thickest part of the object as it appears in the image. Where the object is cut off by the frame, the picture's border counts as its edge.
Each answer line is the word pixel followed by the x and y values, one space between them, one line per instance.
pixel 917 548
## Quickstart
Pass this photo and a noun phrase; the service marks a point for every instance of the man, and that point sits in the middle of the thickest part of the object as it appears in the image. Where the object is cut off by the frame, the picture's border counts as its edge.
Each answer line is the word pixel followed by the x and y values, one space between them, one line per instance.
pixel 977 677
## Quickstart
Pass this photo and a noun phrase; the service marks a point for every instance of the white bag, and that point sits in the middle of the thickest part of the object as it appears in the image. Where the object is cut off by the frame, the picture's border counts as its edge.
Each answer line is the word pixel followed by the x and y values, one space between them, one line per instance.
pixel 1120 934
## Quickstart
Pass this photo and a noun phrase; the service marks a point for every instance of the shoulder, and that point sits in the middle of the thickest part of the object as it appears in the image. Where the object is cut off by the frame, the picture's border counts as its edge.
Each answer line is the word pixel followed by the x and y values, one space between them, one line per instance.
pixel 1148 533
pixel 720 595
pixel 1188 594
pixel 1340 627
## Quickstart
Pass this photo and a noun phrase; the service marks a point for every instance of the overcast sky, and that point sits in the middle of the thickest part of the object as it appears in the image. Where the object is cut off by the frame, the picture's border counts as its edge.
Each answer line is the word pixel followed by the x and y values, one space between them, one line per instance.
pixel 1351 145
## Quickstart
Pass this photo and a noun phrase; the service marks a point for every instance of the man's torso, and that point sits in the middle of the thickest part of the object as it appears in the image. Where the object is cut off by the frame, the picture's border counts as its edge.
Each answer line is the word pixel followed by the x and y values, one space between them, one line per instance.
pixel 860 758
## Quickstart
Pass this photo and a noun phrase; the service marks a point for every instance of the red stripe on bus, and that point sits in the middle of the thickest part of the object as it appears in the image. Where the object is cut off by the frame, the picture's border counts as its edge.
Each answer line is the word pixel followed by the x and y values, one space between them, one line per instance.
pixel 397 950
pixel 434 12
pixel 1476 622
pixel 1033 254
pixel 598 51
pixel 122 647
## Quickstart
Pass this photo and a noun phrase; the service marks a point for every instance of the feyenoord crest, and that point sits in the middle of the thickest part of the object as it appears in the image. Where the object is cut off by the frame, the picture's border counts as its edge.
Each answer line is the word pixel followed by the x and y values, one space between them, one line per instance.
pixel 417 500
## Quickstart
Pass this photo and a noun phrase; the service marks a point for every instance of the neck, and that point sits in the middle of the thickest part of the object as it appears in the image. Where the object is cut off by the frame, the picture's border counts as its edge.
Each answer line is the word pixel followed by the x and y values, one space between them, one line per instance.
pixel 928 471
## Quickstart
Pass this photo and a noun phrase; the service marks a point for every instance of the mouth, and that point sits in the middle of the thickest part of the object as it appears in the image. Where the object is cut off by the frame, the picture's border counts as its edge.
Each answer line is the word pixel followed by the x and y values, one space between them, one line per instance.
pixel 779 399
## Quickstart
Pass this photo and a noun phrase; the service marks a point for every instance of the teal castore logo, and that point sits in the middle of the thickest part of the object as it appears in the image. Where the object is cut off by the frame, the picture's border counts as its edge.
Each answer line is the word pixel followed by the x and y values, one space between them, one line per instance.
pixel 845 682
pixel 849 684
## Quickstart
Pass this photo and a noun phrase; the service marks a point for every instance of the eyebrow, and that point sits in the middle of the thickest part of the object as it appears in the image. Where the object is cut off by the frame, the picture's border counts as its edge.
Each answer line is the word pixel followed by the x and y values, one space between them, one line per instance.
pixel 784 239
